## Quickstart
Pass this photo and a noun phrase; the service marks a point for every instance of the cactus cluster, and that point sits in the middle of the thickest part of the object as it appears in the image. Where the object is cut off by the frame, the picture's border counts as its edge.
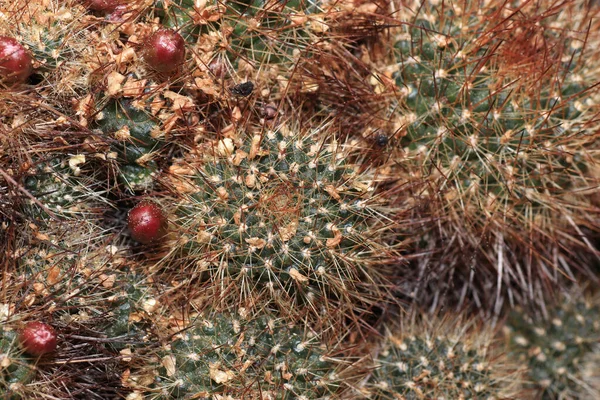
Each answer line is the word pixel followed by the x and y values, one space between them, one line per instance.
pixel 555 347
pixel 445 357
pixel 243 356
pixel 267 199
pixel 285 213
pixel 494 112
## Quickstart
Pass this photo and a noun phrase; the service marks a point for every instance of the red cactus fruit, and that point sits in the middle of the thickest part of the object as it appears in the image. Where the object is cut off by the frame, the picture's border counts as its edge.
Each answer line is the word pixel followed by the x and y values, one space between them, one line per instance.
pixel 15 62
pixel 147 222
pixel 38 338
pixel 103 5
pixel 164 51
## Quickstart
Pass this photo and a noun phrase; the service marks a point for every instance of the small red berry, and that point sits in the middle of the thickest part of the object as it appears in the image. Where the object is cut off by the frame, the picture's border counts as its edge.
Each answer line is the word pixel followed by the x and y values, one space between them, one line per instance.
pixel 147 222
pixel 38 338
pixel 164 50
pixel 103 5
pixel 15 62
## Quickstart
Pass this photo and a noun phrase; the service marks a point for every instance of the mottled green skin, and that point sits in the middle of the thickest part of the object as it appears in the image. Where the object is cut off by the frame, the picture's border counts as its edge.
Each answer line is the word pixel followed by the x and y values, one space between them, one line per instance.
pixel 555 349
pixel 249 351
pixel 277 216
pixel 121 113
pixel 21 369
pixel 485 136
pixel 55 185
pixel 416 367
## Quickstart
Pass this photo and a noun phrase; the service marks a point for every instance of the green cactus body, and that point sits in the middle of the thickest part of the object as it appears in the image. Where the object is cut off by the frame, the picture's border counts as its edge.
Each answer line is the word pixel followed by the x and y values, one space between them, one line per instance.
pixel 257 358
pixel 440 359
pixel 502 150
pixel 16 369
pixel 487 137
pixel 135 130
pixel 126 319
pixel 64 186
pixel 259 33
pixel 556 348
pixel 287 215
pixel 52 35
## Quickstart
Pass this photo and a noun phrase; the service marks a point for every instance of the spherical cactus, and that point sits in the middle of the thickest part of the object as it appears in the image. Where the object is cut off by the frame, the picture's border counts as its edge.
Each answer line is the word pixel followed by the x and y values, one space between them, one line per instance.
pixel 288 215
pixel 441 358
pixel 256 357
pixel 496 126
pixel 38 338
pixel 164 50
pixel 556 348
pixel 15 62
pixel 147 222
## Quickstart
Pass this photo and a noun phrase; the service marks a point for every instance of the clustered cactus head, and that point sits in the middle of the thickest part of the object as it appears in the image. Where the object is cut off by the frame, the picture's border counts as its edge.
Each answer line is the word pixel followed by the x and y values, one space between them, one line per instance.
pixel 237 355
pixel 72 312
pixel 195 203
pixel 495 119
pixel 560 348
pixel 441 357
pixel 285 214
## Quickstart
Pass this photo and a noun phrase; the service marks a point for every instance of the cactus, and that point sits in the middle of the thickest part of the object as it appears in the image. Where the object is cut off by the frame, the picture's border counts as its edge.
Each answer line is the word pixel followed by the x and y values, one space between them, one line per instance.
pixel 224 354
pixel 52 33
pixel 16 368
pixel 63 186
pixel 495 122
pixel 99 308
pixel 557 347
pixel 260 40
pixel 285 201
pixel 444 357
pixel 137 139
pixel 285 214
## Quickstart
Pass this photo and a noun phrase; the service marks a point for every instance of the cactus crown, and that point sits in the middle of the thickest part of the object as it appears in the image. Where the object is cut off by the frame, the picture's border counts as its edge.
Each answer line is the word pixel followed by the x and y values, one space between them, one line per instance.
pixel 253 357
pixel 555 347
pixel 446 358
pixel 287 213
pixel 500 142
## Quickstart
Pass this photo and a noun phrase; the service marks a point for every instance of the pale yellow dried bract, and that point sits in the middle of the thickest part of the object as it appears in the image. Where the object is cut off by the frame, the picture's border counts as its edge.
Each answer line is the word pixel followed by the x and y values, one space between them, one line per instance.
pixel 254 147
pixel 289 231
pixel 134 88
pixel 4 361
pixel 108 281
pixel 225 147
pixel 336 239
pixel 169 362
pixel 250 180
pixel 297 276
pixel 256 242
pixel 180 102
pixel 218 375
pixel 114 81
pixel 239 157
pixel 203 237
pixel 123 133
pixel 53 275
pixel 332 190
